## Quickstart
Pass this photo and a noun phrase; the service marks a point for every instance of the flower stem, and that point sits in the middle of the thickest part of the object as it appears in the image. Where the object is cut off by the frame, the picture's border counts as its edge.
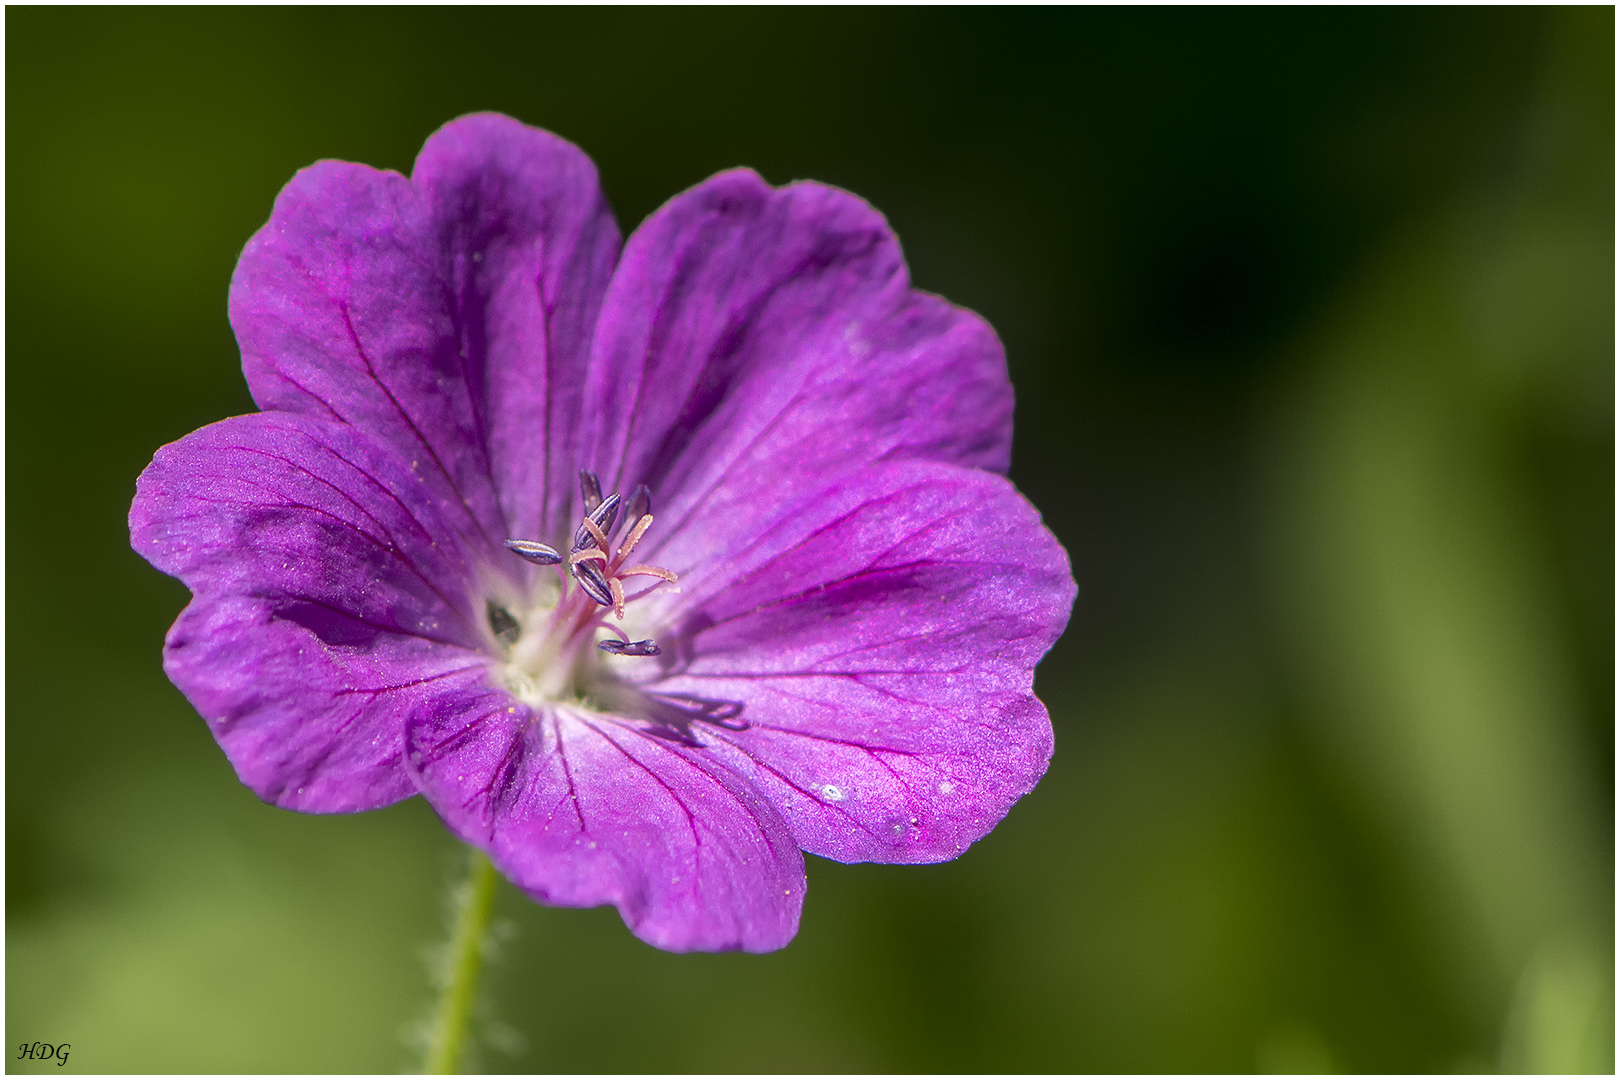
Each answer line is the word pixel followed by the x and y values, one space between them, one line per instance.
pixel 475 899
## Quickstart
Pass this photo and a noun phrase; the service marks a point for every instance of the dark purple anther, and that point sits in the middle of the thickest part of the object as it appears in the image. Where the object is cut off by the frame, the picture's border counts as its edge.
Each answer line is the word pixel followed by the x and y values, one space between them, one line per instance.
pixel 591 579
pixel 604 516
pixel 590 489
pixel 534 551
pixel 640 505
pixel 648 647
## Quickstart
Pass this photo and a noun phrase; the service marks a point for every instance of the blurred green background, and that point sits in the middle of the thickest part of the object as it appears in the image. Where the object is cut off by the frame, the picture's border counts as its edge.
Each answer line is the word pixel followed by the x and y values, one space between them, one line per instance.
pixel 1311 317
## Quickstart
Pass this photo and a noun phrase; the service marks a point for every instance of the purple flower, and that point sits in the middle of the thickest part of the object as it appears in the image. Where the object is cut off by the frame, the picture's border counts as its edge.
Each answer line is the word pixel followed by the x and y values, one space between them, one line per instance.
pixel 824 637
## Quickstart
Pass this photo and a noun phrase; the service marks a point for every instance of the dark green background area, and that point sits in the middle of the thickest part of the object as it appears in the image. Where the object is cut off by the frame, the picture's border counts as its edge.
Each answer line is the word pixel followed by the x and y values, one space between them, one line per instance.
pixel 1310 313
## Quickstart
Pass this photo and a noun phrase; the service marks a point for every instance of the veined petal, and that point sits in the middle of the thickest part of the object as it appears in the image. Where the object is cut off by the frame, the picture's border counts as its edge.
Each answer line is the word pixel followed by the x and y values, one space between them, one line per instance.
pixel 579 809
pixel 438 314
pixel 756 338
pixel 327 592
pixel 881 642
pixel 532 243
pixel 309 704
pixel 273 504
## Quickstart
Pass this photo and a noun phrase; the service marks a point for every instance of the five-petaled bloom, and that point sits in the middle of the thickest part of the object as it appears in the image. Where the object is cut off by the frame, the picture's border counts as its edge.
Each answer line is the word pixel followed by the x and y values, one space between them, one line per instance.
pixel 412 571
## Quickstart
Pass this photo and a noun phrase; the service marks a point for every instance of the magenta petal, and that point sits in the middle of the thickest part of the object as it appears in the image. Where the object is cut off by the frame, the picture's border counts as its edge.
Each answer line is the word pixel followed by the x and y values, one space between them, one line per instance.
pixel 755 338
pixel 275 505
pixel 882 642
pixel 327 593
pixel 429 313
pixel 532 243
pixel 309 704
pixel 580 810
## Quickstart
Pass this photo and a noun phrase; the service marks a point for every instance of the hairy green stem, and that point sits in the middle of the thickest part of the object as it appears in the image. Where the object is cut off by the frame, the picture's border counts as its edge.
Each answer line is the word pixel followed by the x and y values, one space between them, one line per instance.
pixel 464 956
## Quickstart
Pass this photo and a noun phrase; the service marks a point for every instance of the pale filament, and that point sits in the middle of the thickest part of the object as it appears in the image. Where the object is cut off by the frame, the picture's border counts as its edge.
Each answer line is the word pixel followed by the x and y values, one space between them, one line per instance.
pixel 630 541
pixel 614 569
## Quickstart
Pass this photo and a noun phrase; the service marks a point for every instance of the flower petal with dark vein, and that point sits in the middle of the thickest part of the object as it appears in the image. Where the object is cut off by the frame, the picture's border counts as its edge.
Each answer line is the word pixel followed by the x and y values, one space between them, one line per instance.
pixel 649 566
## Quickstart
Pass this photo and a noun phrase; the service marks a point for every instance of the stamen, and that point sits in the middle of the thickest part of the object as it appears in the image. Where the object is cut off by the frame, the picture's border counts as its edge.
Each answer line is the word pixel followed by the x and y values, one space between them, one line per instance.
pixel 641 526
pixel 629 648
pixel 590 489
pixel 594 583
pixel 534 551
pixel 596 533
pixel 540 657
pixel 602 517
pixel 640 504
pixel 647 571
pixel 600 575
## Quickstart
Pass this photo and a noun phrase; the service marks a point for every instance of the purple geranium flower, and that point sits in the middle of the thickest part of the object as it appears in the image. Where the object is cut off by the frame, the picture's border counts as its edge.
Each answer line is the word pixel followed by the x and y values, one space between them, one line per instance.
pixel 407 577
